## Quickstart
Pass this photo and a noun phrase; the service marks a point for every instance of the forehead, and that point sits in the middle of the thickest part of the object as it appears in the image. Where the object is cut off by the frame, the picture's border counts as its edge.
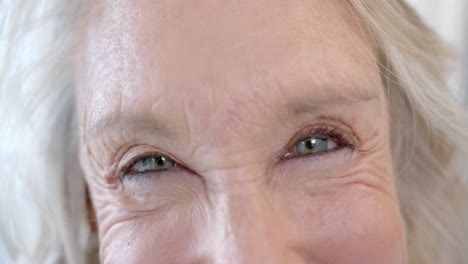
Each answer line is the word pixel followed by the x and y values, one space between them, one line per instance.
pixel 208 33
pixel 147 50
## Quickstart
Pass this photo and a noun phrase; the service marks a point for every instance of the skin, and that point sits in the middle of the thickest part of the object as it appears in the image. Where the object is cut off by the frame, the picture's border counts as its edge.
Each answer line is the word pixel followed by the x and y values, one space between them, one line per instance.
pixel 226 89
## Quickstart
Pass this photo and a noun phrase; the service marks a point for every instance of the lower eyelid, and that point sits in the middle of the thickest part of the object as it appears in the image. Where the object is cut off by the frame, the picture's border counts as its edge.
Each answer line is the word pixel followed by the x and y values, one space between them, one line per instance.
pixel 329 160
pixel 133 176
pixel 153 173
pixel 323 165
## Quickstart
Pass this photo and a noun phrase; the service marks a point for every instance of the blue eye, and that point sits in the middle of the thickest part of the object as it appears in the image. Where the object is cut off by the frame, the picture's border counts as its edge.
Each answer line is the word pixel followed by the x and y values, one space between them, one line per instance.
pixel 313 145
pixel 151 164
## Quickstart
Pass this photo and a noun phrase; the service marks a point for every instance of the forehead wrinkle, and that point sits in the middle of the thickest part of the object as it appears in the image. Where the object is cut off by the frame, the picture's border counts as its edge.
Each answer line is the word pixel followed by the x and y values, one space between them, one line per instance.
pixel 310 103
pixel 127 123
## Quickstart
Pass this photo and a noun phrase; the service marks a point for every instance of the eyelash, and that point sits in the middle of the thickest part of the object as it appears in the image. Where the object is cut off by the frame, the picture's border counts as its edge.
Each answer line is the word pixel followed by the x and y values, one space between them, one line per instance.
pixel 321 130
pixel 124 170
pixel 324 131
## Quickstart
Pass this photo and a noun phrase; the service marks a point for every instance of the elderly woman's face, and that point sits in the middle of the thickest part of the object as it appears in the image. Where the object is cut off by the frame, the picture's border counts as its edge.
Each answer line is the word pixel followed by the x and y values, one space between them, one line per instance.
pixel 236 132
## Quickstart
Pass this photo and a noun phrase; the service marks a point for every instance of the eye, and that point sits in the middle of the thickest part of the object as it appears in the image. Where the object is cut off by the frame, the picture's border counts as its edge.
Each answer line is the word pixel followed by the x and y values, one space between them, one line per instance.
pixel 153 163
pixel 314 145
pixel 317 141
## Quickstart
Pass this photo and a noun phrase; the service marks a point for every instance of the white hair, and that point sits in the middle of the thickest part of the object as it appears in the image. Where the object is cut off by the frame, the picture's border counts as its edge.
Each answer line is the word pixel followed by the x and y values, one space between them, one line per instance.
pixel 43 215
pixel 428 131
pixel 42 206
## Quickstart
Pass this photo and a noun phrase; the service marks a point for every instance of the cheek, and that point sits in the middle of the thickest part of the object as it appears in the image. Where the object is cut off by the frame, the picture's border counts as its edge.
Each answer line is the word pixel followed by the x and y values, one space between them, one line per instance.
pixel 154 219
pixel 353 225
pixel 149 239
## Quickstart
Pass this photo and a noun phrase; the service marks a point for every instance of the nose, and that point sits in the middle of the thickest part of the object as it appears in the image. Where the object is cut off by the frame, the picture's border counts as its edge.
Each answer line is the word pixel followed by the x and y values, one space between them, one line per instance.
pixel 249 227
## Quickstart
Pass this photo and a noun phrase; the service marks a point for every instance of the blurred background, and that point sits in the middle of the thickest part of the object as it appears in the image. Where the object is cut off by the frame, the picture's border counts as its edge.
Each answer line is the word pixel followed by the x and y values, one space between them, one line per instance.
pixel 449 18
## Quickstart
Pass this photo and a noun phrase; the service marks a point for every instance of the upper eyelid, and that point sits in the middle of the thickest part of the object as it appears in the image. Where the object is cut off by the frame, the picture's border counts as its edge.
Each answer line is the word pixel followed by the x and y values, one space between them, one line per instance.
pixel 313 131
pixel 144 157
pixel 340 121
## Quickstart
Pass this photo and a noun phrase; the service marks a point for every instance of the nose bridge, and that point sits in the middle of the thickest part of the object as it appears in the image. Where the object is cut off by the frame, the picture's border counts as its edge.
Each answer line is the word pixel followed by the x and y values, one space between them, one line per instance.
pixel 248 228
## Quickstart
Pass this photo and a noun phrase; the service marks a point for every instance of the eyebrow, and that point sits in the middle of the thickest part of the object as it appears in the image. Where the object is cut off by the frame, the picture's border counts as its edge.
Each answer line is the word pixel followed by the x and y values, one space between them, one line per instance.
pixel 294 106
pixel 300 105
pixel 141 122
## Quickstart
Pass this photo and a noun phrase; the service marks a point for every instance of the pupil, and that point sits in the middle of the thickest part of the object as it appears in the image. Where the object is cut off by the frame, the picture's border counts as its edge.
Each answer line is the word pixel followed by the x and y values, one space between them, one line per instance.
pixel 310 144
pixel 160 161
